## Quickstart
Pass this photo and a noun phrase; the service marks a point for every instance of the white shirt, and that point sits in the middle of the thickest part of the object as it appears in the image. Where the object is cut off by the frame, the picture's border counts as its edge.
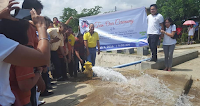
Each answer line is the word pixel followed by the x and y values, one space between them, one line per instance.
pixel 191 31
pixel 167 39
pixel 7 46
pixel 154 22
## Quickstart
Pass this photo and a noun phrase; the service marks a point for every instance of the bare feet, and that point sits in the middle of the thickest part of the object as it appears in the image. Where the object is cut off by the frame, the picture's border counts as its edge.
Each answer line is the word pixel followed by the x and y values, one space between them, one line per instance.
pixel 165 69
pixel 169 69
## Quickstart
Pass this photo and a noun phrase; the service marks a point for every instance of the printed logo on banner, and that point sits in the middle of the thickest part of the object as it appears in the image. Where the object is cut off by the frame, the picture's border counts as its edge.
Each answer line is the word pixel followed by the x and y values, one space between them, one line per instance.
pixel 143 33
pixel 84 24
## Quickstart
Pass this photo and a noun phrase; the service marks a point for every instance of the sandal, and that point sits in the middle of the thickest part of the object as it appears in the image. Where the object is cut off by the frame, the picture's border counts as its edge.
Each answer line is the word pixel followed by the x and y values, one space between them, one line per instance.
pixel 169 69
pixel 165 69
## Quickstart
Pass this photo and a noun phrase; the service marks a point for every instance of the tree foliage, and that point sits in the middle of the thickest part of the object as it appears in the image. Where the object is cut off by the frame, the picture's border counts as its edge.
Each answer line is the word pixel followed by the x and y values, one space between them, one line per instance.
pixel 109 12
pixel 179 9
pixel 68 12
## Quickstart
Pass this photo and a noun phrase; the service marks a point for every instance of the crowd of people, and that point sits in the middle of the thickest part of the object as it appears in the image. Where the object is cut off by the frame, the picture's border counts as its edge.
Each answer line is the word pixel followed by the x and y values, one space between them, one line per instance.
pixel 32 47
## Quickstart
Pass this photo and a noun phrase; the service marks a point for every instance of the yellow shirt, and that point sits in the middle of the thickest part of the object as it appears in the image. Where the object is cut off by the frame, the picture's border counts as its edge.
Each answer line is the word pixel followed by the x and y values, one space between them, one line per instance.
pixel 56 26
pixel 92 40
pixel 71 39
pixel 54 32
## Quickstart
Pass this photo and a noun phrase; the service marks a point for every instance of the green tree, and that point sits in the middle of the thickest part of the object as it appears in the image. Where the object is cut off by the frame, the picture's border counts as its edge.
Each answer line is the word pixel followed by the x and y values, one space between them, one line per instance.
pixel 68 12
pixel 179 9
pixel 108 12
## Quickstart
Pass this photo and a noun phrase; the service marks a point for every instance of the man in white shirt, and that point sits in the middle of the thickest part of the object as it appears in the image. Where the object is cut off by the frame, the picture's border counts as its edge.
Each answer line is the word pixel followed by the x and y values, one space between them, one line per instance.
pixel 155 20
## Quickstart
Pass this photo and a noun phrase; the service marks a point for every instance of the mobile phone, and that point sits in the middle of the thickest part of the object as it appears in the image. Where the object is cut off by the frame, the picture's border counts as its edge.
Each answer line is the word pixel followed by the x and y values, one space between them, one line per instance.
pixel 22 13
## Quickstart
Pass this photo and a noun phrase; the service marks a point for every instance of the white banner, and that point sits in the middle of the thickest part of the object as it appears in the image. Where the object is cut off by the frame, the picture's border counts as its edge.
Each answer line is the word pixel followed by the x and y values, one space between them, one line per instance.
pixel 119 30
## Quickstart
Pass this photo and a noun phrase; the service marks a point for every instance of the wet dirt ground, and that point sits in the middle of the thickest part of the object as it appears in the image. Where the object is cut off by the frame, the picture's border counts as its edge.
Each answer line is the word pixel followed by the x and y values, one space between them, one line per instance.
pixel 105 93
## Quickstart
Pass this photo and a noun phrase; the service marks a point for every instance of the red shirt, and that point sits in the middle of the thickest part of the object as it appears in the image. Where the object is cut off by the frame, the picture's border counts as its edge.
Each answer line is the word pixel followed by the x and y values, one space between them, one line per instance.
pixel 79 46
pixel 18 73
pixel 178 30
pixel 32 36
pixel 69 46
pixel 59 52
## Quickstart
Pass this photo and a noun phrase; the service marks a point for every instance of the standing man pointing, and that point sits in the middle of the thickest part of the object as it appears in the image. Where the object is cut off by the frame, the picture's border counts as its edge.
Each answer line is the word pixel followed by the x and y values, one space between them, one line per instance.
pixel 155 20
pixel 91 40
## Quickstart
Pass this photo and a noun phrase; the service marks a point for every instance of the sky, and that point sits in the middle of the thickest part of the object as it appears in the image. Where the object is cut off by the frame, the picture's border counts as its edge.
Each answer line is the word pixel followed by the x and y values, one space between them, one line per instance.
pixel 54 8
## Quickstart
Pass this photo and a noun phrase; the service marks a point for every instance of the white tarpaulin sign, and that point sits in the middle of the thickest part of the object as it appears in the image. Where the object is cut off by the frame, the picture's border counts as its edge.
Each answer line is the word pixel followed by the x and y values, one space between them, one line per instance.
pixel 119 30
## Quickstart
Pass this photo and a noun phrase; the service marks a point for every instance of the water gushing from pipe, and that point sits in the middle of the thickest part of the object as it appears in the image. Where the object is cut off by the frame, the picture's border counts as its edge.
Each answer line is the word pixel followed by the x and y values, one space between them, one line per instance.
pixel 144 90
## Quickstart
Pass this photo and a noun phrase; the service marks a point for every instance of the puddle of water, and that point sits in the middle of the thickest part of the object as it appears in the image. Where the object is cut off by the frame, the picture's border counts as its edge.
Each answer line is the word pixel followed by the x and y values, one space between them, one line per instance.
pixel 144 90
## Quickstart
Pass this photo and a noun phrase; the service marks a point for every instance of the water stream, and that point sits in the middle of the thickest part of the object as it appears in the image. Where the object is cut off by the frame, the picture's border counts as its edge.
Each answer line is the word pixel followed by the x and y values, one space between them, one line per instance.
pixel 144 90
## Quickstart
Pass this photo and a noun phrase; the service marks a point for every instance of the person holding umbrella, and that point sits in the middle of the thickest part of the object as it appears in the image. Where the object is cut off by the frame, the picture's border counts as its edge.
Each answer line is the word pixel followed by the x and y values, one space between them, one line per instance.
pixel 191 30
pixel 190 34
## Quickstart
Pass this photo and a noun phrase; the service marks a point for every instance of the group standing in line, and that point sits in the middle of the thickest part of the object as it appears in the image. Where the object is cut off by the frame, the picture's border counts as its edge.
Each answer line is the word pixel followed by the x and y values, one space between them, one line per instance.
pixel 38 41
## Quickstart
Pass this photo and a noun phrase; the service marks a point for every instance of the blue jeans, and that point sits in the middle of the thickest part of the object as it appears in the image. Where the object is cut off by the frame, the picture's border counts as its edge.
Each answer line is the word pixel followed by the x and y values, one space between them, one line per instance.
pixel 92 56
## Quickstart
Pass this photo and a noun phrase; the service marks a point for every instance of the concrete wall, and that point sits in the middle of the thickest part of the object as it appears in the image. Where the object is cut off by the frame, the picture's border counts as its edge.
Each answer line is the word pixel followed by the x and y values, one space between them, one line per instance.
pixel 112 59
pixel 178 58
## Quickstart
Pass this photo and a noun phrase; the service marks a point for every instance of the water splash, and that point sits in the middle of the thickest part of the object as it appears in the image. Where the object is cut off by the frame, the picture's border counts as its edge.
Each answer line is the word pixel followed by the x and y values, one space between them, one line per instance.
pixel 152 87
pixel 144 90
pixel 108 74
pixel 184 100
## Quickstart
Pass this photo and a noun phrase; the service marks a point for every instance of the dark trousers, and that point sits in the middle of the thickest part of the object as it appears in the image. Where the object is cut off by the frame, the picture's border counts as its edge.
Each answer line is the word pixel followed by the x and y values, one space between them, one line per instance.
pixel 77 63
pixel 33 96
pixel 71 69
pixel 45 78
pixel 63 68
pixel 57 65
pixel 153 41
pixel 48 78
pixel 195 35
